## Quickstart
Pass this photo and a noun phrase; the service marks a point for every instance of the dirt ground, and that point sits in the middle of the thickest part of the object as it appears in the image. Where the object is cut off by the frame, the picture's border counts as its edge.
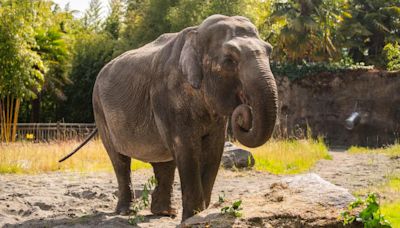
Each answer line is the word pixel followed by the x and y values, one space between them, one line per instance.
pixel 73 199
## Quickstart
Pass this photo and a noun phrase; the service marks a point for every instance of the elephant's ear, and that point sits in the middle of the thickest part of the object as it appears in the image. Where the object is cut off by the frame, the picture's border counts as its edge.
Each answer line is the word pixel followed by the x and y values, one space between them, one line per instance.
pixel 189 61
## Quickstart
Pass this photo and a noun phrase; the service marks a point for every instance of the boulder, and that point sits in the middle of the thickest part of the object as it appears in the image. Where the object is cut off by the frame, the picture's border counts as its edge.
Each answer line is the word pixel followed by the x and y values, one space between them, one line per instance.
pixel 234 156
pixel 299 201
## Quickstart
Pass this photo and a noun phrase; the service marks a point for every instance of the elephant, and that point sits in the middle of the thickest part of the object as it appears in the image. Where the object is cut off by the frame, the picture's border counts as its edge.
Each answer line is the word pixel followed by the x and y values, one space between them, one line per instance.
pixel 167 103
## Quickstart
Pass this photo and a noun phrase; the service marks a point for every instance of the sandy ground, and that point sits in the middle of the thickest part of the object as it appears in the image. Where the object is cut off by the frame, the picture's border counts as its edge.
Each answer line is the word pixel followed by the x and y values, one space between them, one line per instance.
pixel 82 200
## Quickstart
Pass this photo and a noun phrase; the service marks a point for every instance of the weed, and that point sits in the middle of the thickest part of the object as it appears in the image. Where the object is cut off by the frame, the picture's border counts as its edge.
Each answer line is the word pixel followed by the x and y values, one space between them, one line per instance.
pixel 233 210
pixel 142 202
pixel 370 214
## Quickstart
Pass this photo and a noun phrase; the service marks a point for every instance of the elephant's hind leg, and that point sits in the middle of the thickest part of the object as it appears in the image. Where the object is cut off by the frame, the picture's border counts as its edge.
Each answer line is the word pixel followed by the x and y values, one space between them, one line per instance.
pixel 121 165
pixel 122 168
pixel 161 203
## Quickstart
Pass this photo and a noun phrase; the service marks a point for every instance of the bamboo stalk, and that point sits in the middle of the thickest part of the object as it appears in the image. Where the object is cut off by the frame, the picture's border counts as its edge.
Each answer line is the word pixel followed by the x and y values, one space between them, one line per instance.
pixel 7 115
pixel 3 114
pixel 10 117
pixel 1 122
pixel 16 112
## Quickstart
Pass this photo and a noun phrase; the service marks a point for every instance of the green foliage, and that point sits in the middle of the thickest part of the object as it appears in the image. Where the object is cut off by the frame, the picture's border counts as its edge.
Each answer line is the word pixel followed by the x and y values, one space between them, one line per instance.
pixel 367 25
pixel 142 202
pixel 93 51
pixel 234 209
pixel 21 68
pixel 294 71
pixel 114 20
pixel 92 17
pixel 370 214
pixel 49 54
pixel 308 29
pixel 392 53
pixel 187 13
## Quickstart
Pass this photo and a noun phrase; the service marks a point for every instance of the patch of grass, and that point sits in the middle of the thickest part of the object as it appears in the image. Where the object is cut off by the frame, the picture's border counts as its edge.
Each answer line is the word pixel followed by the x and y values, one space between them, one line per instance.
pixel 392 151
pixel 32 158
pixel 392 212
pixel 391 206
pixel 389 193
pixel 289 156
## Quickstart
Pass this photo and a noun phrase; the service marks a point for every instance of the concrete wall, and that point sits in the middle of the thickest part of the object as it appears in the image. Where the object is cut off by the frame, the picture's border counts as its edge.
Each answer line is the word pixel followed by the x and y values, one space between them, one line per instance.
pixel 324 101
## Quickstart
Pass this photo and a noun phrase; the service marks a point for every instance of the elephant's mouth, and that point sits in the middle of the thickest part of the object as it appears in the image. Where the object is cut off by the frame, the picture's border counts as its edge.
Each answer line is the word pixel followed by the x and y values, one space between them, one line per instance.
pixel 242 115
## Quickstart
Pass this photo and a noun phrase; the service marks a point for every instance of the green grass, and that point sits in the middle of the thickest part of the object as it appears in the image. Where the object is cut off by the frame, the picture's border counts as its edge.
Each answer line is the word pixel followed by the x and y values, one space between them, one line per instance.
pixel 392 151
pixel 32 158
pixel 391 211
pixel 289 156
pixel 391 205
pixel 389 193
pixel 276 156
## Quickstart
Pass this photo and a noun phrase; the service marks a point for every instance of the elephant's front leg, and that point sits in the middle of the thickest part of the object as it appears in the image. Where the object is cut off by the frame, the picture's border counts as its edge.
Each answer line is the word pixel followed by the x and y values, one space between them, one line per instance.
pixel 161 198
pixel 212 147
pixel 187 157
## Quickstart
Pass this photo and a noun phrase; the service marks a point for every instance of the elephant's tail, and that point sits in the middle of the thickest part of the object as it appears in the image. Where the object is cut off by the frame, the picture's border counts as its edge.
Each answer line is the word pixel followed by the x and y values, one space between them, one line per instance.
pixel 80 146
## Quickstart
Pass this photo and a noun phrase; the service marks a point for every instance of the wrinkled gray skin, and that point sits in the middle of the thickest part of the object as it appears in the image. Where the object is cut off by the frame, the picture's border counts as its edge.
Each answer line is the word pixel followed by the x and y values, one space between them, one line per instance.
pixel 167 103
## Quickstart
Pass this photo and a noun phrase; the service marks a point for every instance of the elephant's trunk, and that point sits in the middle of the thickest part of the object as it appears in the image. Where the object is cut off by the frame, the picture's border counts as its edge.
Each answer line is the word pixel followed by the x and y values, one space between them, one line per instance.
pixel 253 122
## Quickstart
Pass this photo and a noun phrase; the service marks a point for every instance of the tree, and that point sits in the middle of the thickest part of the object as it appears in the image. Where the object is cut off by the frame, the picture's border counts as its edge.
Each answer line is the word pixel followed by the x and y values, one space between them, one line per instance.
pixel 308 30
pixel 21 69
pixel 50 36
pixel 367 26
pixel 92 17
pixel 113 21
pixel 93 51
pixel 187 13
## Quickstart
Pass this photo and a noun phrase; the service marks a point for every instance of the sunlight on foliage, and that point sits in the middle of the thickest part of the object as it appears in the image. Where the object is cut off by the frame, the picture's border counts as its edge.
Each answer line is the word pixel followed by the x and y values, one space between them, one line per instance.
pixel 289 156
pixel 392 54
pixel 26 157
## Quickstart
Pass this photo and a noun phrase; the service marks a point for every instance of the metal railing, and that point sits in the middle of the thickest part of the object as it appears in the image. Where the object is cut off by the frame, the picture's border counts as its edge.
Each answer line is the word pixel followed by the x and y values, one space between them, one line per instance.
pixel 45 132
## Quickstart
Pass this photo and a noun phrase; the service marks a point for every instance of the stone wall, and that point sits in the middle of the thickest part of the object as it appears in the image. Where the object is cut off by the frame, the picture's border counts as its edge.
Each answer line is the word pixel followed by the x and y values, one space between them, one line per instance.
pixel 324 101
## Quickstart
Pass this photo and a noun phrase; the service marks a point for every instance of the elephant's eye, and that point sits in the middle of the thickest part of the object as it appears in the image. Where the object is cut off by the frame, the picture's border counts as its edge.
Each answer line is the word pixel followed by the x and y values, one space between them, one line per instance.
pixel 229 63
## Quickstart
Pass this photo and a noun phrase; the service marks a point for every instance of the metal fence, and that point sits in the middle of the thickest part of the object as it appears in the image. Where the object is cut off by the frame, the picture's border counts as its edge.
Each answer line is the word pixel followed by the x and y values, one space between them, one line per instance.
pixel 45 132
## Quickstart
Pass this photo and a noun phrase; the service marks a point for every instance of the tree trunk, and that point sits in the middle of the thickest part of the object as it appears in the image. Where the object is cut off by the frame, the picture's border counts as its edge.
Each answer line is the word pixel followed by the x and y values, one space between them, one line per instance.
pixel 35 113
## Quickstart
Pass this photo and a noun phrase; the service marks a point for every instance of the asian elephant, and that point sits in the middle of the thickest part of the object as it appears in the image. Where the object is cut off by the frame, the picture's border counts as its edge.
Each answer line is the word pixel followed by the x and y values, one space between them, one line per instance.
pixel 167 103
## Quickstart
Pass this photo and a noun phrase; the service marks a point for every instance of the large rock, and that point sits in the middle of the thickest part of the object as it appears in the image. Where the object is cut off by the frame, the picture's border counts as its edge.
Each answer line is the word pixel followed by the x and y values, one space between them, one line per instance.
pixel 234 156
pixel 299 201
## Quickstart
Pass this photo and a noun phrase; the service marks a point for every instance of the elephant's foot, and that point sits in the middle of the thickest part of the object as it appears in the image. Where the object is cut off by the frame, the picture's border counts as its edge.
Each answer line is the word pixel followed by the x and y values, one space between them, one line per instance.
pixel 161 204
pixel 170 212
pixel 123 208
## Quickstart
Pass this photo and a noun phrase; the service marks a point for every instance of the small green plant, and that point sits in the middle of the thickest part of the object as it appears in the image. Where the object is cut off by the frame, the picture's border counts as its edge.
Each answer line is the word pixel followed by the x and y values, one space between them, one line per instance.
pixel 142 202
pixel 370 214
pixel 221 198
pixel 234 209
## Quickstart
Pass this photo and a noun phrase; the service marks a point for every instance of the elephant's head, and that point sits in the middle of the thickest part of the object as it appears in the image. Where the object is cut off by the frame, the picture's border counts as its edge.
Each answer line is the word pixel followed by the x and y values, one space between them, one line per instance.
pixel 227 60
